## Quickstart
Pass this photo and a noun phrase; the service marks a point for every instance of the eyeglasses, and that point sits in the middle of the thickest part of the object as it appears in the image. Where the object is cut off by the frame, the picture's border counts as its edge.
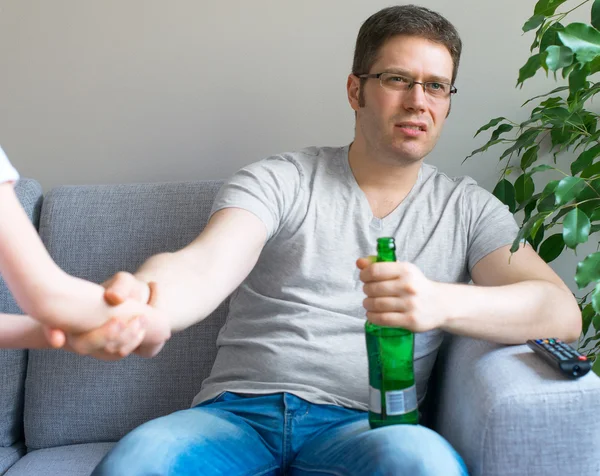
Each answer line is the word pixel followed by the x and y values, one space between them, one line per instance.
pixel 396 82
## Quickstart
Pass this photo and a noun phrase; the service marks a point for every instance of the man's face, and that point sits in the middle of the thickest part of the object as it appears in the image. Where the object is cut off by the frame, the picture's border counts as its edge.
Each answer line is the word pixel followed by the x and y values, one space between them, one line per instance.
pixel 403 125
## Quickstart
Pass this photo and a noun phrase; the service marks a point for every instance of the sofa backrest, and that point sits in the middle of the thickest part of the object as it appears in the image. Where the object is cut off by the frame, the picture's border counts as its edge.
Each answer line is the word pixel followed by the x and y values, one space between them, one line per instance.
pixel 93 232
pixel 13 362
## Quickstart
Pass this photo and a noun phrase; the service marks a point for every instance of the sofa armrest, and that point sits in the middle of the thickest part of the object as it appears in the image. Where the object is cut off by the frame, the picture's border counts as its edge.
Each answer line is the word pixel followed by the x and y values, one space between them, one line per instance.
pixel 508 413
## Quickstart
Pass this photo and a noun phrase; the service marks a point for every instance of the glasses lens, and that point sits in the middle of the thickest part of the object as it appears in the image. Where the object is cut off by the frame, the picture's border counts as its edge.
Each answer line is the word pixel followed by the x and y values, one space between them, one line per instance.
pixel 437 90
pixel 395 82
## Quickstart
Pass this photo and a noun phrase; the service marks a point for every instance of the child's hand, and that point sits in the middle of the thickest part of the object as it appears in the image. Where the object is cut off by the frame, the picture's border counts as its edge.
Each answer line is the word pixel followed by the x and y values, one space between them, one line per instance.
pixel 133 327
pixel 112 341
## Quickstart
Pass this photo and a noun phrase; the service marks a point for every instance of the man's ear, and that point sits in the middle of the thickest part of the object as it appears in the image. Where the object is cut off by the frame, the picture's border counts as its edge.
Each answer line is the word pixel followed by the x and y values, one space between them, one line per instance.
pixel 353 89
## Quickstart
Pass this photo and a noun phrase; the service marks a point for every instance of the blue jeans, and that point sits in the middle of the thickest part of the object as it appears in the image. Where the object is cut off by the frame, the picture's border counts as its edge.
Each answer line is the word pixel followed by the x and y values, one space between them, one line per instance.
pixel 275 435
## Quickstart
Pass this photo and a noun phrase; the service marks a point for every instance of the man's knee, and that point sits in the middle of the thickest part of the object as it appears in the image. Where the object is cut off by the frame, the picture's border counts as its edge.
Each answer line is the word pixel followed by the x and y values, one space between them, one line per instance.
pixel 413 450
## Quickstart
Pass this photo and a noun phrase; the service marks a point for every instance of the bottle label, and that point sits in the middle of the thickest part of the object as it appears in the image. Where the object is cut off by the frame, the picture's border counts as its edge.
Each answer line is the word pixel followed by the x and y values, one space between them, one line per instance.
pixel 374 400
pixel 399 402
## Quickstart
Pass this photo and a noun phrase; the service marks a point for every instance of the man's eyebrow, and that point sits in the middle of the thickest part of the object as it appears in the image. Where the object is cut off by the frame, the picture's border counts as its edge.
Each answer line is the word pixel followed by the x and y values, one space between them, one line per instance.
pixel 404 72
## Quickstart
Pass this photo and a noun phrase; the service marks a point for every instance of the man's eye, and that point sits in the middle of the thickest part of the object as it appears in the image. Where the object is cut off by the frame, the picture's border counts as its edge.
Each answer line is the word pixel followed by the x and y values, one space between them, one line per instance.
pixel 399 79
pixel 433 86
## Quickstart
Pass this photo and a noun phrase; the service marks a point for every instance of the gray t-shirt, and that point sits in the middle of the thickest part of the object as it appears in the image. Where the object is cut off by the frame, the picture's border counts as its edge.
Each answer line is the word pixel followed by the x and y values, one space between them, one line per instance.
pixel 296 324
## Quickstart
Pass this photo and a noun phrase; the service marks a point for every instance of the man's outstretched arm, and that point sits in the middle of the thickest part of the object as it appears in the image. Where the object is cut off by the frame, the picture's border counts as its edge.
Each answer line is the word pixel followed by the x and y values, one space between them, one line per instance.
pixel 189 284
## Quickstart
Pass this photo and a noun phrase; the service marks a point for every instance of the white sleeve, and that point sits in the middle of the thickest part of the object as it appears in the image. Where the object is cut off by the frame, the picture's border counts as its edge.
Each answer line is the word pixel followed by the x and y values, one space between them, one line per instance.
pixel 7 171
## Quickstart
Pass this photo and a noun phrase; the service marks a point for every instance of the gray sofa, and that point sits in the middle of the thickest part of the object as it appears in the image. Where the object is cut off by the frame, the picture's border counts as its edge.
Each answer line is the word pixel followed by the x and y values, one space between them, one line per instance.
pixel 505 411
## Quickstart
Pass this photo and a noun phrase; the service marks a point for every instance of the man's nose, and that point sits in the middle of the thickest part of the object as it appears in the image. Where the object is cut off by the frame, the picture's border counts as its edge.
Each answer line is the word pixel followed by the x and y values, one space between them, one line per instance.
pixel 415 98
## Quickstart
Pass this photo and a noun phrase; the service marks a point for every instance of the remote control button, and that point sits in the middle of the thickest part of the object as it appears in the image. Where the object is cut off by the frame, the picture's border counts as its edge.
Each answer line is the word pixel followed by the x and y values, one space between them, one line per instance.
pixel 552 341
pixel 582 358
pixel 538 341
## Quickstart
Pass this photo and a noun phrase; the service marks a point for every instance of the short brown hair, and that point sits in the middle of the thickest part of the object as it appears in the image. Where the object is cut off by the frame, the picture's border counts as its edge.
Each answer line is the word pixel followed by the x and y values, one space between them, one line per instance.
pixel 409 20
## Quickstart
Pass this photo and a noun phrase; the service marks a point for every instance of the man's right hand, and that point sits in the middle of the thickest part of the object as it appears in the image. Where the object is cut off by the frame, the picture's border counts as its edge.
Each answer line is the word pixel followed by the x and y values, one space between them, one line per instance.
pixel 123 286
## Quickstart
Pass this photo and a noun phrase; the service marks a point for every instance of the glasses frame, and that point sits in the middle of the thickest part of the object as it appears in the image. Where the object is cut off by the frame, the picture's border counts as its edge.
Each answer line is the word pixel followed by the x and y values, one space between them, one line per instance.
pixel 411 83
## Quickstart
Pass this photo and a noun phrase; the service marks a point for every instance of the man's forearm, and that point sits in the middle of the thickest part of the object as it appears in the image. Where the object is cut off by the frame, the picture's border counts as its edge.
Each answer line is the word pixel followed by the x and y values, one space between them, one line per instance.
pixel 183 288
pixel 513 313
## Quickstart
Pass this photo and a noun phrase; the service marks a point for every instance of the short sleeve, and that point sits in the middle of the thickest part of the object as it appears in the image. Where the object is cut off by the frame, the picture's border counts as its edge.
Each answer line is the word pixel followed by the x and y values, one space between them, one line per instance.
pixel 490 223
pixel 7 172
pixel 269 189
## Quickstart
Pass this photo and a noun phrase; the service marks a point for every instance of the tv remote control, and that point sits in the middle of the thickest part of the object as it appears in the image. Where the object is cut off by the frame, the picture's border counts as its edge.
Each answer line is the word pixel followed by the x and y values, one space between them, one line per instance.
pixel 561 356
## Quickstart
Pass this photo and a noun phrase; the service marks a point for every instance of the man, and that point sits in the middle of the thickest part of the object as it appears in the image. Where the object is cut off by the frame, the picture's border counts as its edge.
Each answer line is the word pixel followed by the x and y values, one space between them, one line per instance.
pixel 288 391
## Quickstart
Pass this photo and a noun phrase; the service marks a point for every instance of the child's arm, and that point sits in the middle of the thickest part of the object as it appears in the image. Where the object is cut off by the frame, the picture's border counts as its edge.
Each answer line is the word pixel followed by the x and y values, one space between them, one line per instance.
pixel 112 341
pixel 40 287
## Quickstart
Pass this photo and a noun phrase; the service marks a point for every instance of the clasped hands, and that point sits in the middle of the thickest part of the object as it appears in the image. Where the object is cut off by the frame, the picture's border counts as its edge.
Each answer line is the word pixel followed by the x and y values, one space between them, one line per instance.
pixel 134 325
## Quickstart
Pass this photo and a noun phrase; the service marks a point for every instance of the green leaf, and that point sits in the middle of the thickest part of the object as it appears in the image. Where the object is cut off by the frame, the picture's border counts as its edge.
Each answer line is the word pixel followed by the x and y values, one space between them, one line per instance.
pixel 485 147
pixel 547 202
pixel 596 214
pixel 583 39
pixel 596 300
pixel 558 57
pixel 490 124
pixel 529 69
pixel 557 116
pixel 547 7
pixel 587 314
pixel 533 23
pixel 577 81
pixel 526 230
pixel 596 14
pixel 550 37
pixel 567 189
pixel 502 128
pixel 505 192
pixel 552 247
pixel 554 91
pixel 576 228
pixel 537 235
pixel 596 367
pixel 524 188
pixel 541 168
pixel 585 159
pixel 591 171
pixel 588 271
pixel 529 157
pixel 595 319
pixel 525 140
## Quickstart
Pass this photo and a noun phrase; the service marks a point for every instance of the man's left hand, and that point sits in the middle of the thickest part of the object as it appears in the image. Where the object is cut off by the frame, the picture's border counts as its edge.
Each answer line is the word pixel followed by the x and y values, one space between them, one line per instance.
pixel 399 295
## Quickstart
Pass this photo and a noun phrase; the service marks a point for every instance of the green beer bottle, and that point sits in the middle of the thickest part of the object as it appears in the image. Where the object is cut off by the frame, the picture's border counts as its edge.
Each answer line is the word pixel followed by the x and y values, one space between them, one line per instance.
pixel 392 391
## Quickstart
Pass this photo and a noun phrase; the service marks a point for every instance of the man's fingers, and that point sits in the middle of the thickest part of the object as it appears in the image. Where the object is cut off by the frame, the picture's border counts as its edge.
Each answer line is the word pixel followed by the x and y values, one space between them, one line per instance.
pixel 362 263
pixel 123 286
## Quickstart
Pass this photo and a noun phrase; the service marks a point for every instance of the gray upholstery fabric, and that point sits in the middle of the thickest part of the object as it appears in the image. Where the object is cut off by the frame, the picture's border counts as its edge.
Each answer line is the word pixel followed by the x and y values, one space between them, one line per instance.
pixel 10 455
pixel 92 232
pixel 77 460
pixel 509 414
pixel 13 362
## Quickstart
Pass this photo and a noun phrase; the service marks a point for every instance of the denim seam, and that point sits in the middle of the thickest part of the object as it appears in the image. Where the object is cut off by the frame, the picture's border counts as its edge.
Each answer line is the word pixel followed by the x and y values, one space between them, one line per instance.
pixel 322 471
pixel 287 434
pixel 263 470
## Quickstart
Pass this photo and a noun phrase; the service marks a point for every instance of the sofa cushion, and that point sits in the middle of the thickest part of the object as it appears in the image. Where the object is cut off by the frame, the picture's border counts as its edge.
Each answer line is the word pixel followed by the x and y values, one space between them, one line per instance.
pixel 13 362
pixel 76 460
pixel 10 455
pixel 93 232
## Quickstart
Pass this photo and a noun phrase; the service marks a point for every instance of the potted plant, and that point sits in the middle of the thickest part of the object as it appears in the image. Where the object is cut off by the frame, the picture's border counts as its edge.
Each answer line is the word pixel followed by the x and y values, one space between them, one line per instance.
pixel 558 209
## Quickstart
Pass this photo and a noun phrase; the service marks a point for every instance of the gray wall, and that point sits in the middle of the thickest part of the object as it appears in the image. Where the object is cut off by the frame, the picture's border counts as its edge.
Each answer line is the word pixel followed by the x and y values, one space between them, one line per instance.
pixel 149 90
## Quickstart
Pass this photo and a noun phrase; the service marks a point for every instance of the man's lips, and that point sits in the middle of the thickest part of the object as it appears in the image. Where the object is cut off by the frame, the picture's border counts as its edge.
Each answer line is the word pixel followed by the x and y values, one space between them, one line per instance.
pixel 415 125
pixel 412 129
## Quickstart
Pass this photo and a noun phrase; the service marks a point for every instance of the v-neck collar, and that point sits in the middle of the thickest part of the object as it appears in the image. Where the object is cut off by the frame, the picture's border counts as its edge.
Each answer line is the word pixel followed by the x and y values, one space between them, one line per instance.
pixel 375 222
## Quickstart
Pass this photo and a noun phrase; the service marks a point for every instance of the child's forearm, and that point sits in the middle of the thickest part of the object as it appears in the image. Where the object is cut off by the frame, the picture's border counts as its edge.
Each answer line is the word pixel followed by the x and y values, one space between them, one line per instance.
pixel 21 332
pixel 25 264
